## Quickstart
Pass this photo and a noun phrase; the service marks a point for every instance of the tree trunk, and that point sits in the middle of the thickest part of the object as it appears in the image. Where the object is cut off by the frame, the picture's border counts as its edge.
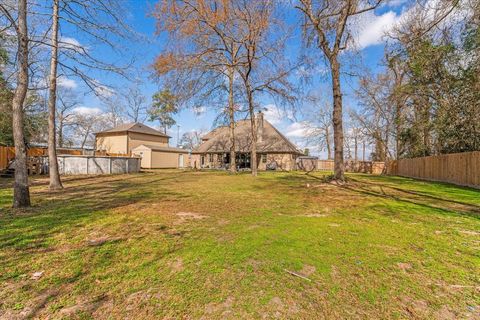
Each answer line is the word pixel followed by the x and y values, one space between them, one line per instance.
pixel 253 127
pixel 329 146
pixel 21 192
pixel 84 141
pixel 60 132
pixel 231 113
pixel 55 182
pixel 363 154
pixel 337 121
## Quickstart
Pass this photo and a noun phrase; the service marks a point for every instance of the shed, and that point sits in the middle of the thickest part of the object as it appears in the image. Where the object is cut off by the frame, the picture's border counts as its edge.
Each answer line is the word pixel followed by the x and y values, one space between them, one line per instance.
pixel 158 157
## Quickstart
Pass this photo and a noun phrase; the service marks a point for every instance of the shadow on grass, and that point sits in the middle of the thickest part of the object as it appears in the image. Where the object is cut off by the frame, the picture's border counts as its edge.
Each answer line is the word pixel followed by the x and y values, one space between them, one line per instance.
pixel 474 208
pixel 31 230
pixel 405 196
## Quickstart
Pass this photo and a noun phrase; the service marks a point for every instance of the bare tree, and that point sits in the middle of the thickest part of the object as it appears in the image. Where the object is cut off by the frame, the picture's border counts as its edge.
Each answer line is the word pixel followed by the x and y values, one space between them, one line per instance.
pixel 205 51
pixel 21 192
pixel 55 182
pixel 326 22
pixel 379 112
pixel 263 68
pixel 192 139
pixel 114 111
pixel 67 102
pixel 86 124
pixel 319 130
pixel 135 105
pixel 355 133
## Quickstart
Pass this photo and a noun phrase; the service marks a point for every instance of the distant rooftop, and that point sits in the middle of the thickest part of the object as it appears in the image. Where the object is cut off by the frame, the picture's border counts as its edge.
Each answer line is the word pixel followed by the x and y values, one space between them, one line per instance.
pixel 133 127
pixel 269 140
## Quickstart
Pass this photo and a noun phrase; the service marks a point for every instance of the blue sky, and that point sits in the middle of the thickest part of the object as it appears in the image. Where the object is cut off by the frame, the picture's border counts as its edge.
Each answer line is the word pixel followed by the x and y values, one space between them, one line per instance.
pixel 368 34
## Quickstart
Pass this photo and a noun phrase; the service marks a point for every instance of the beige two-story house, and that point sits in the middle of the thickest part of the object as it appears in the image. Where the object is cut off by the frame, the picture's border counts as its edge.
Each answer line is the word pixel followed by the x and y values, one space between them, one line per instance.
pixel 137 139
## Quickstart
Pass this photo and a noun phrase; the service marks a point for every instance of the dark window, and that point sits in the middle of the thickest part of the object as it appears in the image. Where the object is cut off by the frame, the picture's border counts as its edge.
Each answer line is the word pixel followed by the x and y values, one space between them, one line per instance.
pixel 264 158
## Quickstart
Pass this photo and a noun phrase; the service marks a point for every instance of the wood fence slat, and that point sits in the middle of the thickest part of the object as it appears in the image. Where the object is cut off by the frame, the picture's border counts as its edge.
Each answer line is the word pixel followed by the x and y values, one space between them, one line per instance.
pixel 458 168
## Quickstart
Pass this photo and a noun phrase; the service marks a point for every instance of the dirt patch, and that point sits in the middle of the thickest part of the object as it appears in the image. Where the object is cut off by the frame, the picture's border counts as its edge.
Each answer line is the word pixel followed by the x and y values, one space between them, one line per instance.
pixel 334 273
pixel 94 242
pixel 256 264
pixel 97 241
pixel 223 222
pixel 335 225
pixel 135 299
pixel 415 308
pixel 277 306
pixel 190 215
pixel 470 232
pixel 315 215
pixel 444 313
pixel 307 270
pixel 87 307
pixel 279 309
pixel 223 308
pixel 404 266
pixel 34 306
pixel 177 265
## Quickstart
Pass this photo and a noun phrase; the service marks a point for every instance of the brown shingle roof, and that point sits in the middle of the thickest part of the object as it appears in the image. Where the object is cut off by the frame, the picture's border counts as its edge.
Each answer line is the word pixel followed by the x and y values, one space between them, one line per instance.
pixel 133 127
pixel 271 141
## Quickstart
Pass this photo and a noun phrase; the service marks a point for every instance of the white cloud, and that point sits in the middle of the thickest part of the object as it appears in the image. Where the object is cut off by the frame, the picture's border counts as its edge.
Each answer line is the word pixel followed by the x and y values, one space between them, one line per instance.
pixel 296 130
pixel 395 3
pixel 64 82
pixel 372 28
pixel 70 43
pixel 87 111
pixel 369 29
pixel 276 115
pixel 103 91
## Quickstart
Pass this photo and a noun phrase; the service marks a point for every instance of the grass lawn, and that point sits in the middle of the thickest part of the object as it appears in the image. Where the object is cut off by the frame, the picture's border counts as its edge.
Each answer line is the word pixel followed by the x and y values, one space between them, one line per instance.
pixel 189 245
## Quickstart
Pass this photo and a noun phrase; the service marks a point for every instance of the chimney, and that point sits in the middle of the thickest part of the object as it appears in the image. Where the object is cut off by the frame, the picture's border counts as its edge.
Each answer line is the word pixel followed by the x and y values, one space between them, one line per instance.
pixel 260 126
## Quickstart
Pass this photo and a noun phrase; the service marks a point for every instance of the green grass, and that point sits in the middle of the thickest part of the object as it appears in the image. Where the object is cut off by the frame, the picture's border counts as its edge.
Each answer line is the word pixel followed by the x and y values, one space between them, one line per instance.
pixel 116 247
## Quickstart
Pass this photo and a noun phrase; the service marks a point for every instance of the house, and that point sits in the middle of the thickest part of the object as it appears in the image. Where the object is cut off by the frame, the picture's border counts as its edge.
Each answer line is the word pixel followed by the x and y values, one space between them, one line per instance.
pixel 274 150
pixel 140 140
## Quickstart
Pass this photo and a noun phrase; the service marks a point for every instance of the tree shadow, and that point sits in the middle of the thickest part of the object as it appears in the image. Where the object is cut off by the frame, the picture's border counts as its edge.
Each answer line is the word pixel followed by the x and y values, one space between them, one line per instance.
pixel 398 194
pixel 29 230
pixel 475 208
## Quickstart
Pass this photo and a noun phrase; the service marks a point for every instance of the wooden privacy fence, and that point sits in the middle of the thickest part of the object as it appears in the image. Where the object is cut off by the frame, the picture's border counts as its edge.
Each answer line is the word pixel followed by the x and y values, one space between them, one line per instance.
pixel 373 167
pixel 6 154
pixel 458 168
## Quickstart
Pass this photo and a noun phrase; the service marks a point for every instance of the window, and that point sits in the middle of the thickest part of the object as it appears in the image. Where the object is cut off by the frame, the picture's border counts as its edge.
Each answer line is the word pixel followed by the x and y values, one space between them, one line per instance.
pixel 264 158
pixel 210 157
pixel 202 160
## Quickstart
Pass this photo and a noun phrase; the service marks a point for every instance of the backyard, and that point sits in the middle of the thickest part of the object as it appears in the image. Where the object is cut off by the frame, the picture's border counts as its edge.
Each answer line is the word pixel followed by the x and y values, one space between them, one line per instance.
pixel 189 245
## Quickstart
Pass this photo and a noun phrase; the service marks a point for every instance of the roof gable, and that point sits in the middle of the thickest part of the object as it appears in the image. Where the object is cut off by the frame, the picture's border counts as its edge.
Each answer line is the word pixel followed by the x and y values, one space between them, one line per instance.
pixel 133 127
pixel 268 141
